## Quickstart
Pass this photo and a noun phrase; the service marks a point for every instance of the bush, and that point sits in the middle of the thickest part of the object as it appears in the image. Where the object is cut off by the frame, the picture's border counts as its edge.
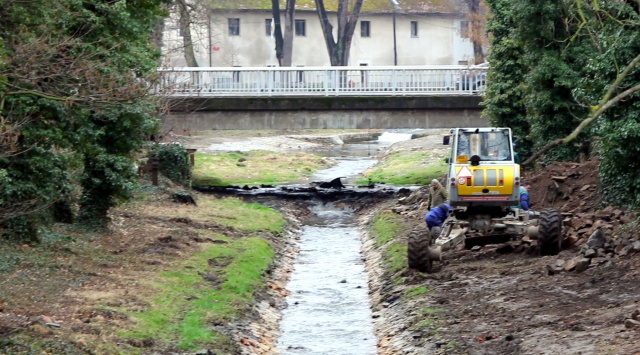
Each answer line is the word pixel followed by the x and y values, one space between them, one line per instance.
pixel 174 162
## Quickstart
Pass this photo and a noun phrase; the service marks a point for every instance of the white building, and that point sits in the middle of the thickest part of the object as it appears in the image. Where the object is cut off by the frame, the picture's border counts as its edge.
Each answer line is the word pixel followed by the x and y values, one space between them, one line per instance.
pixel 425 34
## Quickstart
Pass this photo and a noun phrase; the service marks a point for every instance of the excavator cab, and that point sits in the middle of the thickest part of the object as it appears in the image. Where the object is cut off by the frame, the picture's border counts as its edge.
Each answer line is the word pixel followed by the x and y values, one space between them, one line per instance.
pixel 483 176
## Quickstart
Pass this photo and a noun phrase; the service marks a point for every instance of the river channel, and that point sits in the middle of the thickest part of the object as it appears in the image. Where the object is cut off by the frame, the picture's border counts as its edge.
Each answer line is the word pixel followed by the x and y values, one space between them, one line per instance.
pixel 328 310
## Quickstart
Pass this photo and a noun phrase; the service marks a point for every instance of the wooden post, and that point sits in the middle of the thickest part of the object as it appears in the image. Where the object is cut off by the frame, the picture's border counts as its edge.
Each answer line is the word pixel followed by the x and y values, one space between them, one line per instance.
pixel 192 155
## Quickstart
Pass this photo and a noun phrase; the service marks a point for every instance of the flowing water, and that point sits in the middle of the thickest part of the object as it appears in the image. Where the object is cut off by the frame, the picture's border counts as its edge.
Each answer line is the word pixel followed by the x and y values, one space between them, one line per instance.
pixel 328 310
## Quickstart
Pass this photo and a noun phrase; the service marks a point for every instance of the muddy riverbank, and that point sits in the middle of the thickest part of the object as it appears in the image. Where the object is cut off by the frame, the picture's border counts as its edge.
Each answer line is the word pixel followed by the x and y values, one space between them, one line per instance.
pixel 506 299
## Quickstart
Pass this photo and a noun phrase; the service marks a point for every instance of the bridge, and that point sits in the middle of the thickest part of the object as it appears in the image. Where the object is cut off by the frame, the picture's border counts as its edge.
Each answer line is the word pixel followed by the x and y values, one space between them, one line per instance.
pixel 323 97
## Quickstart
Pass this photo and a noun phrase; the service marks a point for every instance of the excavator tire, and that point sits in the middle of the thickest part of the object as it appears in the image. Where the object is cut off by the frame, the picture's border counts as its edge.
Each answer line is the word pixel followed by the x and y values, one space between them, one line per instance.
pixel 418 251
pixel 550 232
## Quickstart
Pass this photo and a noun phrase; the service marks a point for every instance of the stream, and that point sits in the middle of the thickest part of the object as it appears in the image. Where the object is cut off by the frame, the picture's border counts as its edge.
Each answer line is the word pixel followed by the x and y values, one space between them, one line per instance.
pixel 328 311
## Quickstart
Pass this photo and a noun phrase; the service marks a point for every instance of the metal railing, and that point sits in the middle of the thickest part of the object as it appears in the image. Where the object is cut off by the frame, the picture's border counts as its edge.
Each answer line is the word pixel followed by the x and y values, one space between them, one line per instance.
pixel 321 81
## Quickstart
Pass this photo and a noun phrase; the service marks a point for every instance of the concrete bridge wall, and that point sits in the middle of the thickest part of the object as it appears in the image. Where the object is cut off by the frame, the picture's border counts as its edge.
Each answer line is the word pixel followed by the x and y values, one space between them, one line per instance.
pixel 324 113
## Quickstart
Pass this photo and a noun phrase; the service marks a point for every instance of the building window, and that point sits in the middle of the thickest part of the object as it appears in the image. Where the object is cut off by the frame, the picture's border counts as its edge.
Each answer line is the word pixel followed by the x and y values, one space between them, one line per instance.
pixel 414 28
pixel 301 28
pixel 267 27
pixel 464 29
pixel 234 27
pixel 365 28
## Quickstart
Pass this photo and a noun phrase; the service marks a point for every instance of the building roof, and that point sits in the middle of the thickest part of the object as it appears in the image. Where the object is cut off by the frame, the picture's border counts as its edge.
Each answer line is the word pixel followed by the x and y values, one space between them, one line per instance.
pixel 369 6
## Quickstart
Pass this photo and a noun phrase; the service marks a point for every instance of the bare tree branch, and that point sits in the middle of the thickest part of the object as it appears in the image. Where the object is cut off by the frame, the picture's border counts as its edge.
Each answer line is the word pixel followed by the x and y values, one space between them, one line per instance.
pixel 583 124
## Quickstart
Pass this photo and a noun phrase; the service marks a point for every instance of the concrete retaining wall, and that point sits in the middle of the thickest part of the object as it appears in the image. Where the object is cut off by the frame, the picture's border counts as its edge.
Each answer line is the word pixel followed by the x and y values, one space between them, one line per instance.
pixel 325 113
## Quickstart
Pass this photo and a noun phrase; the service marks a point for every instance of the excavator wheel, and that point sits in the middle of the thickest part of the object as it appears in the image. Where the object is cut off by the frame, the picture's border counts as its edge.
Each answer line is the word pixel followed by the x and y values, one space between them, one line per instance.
pixel 418 251
pixel 550 232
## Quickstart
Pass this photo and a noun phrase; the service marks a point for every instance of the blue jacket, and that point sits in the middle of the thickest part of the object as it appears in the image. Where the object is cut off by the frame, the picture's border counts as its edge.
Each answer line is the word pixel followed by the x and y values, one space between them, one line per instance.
pixel 437 215
pixel 524 199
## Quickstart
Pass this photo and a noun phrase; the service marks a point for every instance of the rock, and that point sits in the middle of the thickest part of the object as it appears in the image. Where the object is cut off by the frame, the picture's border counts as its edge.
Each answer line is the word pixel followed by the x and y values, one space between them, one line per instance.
pixel 624 251
pixel 571 265
pixel 625 220
pixel 605 213
pixel 440 343
pixel 582 264
pixel 505 249
pixel 572 239
pixel 552 270
pixel 631 323
pixel 590 253
pixel 597 239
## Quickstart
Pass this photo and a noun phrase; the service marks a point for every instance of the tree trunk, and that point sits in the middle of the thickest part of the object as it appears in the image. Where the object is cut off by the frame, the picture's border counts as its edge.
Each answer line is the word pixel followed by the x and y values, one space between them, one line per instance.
pixel 289 18
pixel 185 26
pixel 277 30
pixel 347 21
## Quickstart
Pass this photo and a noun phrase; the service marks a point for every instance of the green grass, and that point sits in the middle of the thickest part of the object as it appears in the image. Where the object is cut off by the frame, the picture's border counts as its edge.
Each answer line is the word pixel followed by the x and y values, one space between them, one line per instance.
pixel 402 168
pixel 254 168
pixel 396 256
pixel 427 314
pixel 385 229
pixel 187 305
pixel 235 213
pixel 416 291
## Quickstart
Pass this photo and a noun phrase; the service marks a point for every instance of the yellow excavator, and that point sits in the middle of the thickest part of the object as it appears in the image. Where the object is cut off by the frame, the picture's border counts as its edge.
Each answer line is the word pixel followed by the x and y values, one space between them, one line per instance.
pixel 483 182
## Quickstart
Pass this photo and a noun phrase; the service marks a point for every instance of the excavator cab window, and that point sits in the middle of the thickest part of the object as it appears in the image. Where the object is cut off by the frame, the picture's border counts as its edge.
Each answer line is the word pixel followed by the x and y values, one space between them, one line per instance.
pixel 489 146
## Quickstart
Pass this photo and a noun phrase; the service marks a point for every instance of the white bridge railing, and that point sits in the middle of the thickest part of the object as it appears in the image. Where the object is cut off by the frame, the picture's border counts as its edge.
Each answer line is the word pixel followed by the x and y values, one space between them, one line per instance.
pixel 321 81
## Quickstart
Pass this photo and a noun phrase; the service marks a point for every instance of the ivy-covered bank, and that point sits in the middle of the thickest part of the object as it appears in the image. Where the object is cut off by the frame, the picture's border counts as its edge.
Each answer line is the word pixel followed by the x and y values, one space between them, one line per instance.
pixel 570 69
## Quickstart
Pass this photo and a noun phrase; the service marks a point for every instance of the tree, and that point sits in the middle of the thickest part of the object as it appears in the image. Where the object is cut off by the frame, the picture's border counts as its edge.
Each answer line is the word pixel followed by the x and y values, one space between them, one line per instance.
pixel 340 46
pixel 579 83
pixel 287 46
pixel 284 44
pixel 74 101
pixel 477 32
pixel 277 30
pixel 504 101
pixel 185 10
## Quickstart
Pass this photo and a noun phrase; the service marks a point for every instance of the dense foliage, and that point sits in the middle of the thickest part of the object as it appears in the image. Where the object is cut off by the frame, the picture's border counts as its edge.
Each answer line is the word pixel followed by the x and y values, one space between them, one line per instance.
pixel 174 162
pixel 74 102
pixel 555 64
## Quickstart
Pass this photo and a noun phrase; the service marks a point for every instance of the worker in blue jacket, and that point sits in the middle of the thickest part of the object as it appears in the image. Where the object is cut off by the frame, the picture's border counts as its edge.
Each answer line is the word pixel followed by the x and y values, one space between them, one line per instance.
pixel 524 197
pixel 437 215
